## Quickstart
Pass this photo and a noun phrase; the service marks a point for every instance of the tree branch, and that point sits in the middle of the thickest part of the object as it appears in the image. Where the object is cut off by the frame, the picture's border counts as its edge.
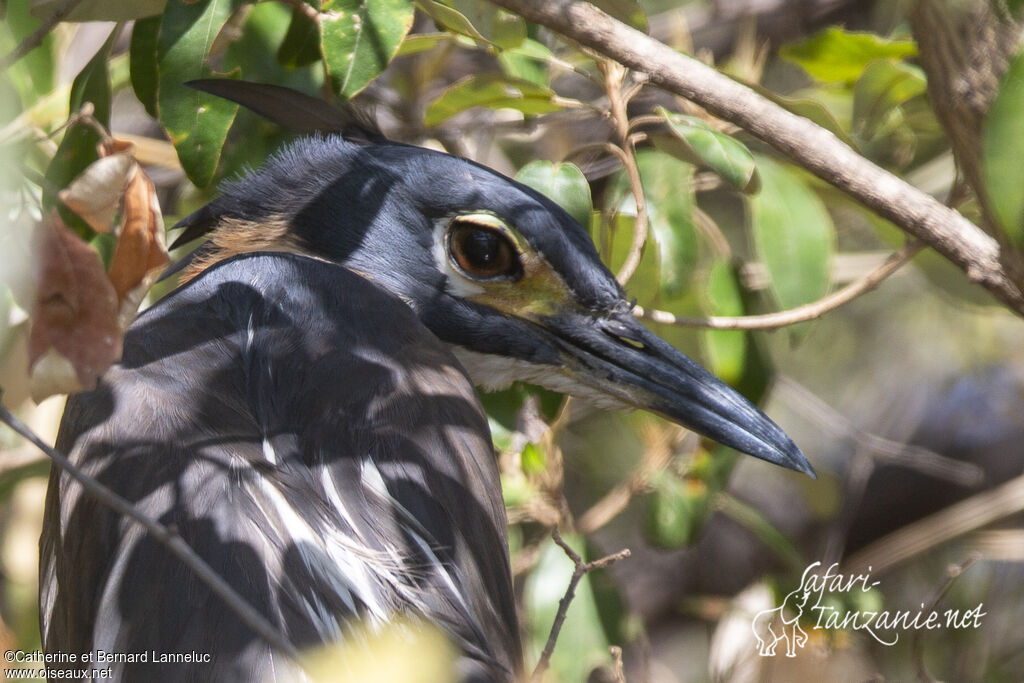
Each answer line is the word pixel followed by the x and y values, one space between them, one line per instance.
pixel 813 147
pixel 246 612
pixel 580 570
pixel 811 311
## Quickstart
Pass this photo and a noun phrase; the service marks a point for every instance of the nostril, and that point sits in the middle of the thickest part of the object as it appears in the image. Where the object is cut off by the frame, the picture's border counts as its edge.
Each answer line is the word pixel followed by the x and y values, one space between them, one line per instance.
pixel 622 334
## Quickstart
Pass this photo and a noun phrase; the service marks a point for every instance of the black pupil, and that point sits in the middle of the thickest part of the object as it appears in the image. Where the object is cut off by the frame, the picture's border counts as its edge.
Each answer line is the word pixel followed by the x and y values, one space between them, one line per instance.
pixel 481 248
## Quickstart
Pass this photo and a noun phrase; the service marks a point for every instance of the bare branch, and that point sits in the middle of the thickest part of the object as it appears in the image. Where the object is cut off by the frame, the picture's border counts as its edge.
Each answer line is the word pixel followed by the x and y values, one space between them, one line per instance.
pixel 811 311
pixel 580 570
pixel 33 40
pixel 246 612
pixel 813 147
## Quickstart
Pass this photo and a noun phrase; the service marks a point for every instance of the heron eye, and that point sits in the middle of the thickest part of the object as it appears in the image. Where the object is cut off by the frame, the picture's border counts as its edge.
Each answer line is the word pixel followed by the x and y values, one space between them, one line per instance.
pixel 482 253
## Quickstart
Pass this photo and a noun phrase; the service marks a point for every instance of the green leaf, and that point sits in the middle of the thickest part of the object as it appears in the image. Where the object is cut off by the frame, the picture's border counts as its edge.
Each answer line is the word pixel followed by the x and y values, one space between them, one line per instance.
pixel 837 56
pixel 421 42
pixel 360 37
pixel 301 44
pixel 582 644
pixel 78 148
pixel 563 183
pixel 723 154
pixel 532 459
pixel 676 510
pixel 494 91
pixel 615 242
pixel 668 191
pixel 34 74
pixel 501 28
pixel 449 18
pixel 793 235
pixel 100 10
pixel 196 122
pixel 816 108
pixel 252 54
pixel 528 61
pixel 725 350
pixel 144 68
pixel 1003 150
pixel 884 85
pixel 627 11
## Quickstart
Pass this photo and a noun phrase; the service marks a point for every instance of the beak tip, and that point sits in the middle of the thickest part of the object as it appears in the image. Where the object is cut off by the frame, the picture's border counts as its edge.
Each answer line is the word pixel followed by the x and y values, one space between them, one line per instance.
pixel 791 457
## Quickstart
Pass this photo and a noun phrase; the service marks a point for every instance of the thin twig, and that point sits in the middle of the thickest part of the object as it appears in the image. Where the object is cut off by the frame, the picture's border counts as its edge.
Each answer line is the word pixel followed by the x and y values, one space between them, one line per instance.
pixel 246 612
pixel 807 143
pixel 613 77
pixel 811 311
pixel 580 569
pixel 917 644
pixel 33 40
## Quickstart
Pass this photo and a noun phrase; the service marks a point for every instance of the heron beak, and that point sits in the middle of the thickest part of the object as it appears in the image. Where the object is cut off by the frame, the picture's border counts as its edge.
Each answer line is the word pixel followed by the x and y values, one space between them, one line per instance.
pixel 615 355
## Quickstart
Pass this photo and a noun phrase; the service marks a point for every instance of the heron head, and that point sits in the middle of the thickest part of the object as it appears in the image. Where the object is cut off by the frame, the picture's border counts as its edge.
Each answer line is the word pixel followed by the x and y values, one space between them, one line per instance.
pixel 499 272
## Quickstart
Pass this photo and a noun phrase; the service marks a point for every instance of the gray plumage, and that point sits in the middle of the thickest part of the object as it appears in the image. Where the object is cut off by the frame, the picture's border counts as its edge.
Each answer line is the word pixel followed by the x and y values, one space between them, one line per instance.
pixel 333 467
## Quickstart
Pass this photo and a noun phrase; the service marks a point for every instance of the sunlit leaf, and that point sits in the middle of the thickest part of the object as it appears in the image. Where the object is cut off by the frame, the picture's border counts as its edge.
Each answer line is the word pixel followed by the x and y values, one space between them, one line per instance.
pixel 528 61
pixel 196 122
pixel 421 42
pixel 449 18
pixel 360 37
pixel 144 69
pixel 726 350
pixel 490 90
pixel 503 29
pixel 723 154
pixel 532 459
pixel 885 84
pixel 834 55
pixel 793 235
pixel 1003 151
pixel 563 183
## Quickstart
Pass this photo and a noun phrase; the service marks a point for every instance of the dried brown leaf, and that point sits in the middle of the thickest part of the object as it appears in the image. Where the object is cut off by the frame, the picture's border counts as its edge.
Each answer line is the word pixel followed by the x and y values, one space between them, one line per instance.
pixel 96 193
pixel 141 253
pixel 75 335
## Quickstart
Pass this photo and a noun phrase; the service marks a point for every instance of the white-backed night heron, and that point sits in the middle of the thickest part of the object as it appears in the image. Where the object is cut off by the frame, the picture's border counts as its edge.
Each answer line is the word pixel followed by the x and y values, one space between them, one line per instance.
pixel 305 421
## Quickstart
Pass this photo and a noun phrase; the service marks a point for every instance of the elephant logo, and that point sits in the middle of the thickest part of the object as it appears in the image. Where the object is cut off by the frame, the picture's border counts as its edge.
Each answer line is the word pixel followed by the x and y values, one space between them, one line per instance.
pixel 782 623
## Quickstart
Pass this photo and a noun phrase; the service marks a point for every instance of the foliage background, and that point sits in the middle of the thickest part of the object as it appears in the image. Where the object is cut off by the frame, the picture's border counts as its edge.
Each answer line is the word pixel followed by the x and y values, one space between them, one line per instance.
pixel 906 400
